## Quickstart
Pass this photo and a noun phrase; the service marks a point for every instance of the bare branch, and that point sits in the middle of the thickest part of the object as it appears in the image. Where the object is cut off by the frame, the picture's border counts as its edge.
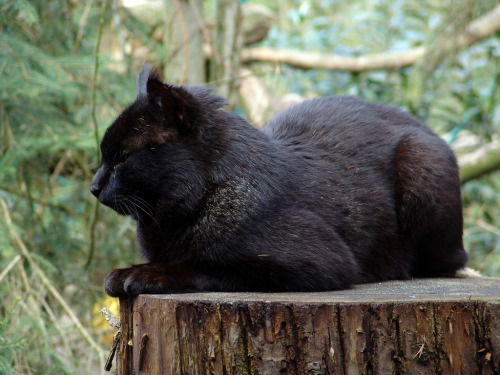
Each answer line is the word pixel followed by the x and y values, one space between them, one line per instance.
pixel 314 60
pixel 478 29
pixel 480 162
pixel 10 266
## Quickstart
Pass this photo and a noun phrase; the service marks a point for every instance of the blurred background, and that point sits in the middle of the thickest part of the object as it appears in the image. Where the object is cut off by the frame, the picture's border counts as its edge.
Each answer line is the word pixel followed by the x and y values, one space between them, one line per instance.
pixel 68 68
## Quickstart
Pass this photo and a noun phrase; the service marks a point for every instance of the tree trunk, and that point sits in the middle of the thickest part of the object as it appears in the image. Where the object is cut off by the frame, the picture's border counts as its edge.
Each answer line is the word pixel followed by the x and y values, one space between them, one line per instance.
pixel 432 326
pixel 226 48
pixel 185 61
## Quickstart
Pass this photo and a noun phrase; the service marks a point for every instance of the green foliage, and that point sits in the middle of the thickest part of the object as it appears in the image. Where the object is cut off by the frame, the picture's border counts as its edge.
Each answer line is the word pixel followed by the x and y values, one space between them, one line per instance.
pixel 9 343
pixel 482 233
pixel 47 158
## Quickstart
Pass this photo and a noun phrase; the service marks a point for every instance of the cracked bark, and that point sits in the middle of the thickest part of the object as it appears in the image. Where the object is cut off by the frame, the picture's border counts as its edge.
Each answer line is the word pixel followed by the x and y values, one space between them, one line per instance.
pixel 439 326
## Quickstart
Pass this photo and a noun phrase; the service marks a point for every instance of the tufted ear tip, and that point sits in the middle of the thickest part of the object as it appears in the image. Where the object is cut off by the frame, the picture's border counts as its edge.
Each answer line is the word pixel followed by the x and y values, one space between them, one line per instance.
pixel 145 74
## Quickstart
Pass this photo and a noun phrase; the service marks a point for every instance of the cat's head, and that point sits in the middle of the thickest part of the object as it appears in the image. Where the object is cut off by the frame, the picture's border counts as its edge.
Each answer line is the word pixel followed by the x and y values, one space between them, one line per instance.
pixel 153 154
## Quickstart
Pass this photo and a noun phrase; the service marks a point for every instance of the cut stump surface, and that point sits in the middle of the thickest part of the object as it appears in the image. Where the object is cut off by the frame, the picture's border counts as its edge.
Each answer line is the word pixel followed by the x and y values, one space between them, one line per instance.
pixel 426 326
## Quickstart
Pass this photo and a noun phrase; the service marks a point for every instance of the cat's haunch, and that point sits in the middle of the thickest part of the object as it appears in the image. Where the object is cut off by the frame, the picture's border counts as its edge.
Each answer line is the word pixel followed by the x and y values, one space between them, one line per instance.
pixel 332 192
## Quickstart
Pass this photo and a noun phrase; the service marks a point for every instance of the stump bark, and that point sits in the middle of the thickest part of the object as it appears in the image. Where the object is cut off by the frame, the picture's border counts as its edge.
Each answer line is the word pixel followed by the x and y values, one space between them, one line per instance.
pixel 430 326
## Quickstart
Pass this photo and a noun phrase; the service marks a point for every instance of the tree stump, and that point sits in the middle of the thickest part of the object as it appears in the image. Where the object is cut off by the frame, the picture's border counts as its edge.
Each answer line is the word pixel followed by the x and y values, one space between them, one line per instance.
pixel 425 326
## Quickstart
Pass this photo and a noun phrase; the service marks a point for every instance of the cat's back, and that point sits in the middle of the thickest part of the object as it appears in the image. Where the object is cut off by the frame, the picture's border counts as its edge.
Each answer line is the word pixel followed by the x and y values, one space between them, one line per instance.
pixel 342 122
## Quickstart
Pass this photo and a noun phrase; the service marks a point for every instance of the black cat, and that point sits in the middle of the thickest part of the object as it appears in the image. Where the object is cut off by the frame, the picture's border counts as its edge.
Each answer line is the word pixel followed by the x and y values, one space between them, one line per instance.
pixel 332 192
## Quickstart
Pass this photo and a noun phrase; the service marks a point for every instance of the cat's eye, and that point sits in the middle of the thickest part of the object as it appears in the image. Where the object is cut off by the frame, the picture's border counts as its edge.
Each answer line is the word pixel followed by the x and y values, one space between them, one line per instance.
pixel 124 155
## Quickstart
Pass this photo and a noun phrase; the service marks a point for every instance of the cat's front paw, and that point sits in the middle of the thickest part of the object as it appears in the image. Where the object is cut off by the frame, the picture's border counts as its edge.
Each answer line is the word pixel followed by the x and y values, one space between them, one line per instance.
pixel 113 283
pixel 149 278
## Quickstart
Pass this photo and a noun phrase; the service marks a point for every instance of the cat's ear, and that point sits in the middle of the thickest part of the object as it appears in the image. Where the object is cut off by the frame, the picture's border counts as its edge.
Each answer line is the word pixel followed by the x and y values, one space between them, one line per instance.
pixel 142 80
pixel 174 101
pixel 146 74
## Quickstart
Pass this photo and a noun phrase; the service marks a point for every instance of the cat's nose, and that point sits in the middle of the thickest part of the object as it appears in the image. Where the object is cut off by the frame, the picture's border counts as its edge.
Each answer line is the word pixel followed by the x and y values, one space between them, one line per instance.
pixel 98 181
pixel 95 189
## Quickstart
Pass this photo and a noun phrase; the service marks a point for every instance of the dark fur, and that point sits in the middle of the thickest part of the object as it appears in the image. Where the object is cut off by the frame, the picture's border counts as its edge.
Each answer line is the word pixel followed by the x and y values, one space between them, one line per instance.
pixel 333 192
